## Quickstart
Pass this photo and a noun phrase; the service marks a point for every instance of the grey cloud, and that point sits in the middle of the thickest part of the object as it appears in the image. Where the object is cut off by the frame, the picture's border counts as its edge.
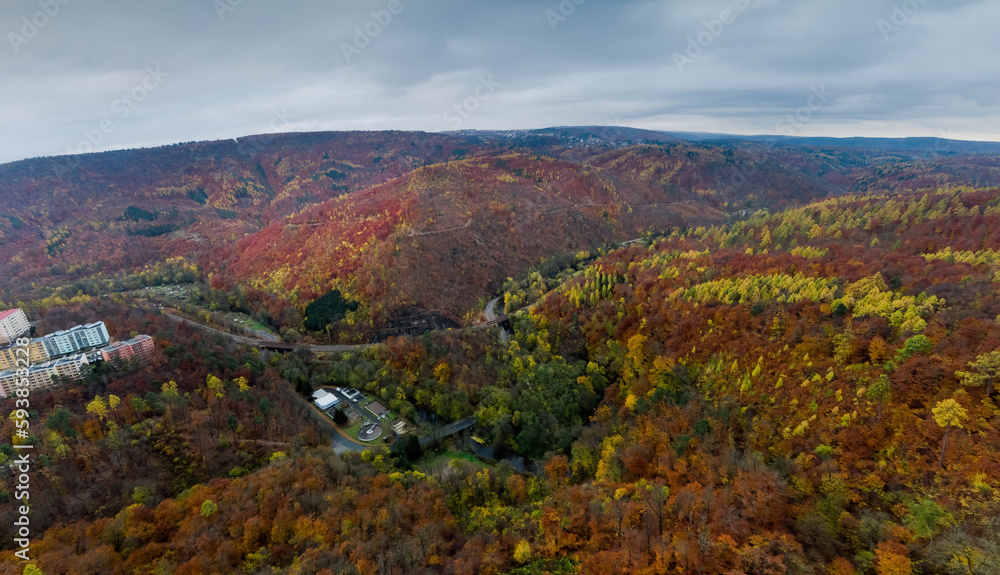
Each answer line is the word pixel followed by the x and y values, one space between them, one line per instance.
pixel 604 62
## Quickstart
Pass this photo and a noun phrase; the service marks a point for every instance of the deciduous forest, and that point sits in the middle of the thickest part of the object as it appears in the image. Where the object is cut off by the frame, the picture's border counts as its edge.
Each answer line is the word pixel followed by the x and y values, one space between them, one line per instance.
pixel 804 390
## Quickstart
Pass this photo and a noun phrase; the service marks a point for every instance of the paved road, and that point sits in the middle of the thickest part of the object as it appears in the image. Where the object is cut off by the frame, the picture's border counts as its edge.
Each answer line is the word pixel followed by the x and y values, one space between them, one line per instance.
pixel 266 337
pixel 439 433
pixel 203 327
pixel 367 415
pixel 338 440
pixel 491 315
pixel 250 341
pixel 339 348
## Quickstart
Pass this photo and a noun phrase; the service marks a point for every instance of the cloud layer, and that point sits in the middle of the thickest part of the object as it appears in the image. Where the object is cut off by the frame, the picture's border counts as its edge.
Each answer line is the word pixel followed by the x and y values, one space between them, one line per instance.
pixel 82 75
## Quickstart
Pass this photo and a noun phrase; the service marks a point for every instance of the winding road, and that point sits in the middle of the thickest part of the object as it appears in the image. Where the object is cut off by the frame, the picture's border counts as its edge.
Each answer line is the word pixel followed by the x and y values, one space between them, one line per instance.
pixel 270 342
pixel 259 342
pixel 492 316
pixel 339 441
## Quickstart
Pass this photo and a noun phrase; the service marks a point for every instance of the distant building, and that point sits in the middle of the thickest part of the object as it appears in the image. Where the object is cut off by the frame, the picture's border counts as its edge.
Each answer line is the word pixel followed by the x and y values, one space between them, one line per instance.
pixel 40 376
pixel 325 400
pixel 76 339
pixel 36 354
pixel 13 324
pixel 378 409
pixel 139 348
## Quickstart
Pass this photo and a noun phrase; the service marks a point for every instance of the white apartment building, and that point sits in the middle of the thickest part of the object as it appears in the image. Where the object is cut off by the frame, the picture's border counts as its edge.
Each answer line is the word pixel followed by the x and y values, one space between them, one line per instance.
pixel 75 339
pixel 13 324
pixel 40 376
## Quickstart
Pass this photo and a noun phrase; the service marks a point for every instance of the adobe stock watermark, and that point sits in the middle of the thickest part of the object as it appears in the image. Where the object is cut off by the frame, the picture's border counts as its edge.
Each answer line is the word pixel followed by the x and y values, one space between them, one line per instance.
pixel 461 111
pixel 122 108
pixel 281 121
pixel 223 7
pixel 365 34
pixel 941 146
pixel 714 28
pixel 32 25
pixel 21 464
pixel 562 13
pixel 612 130
pixel 901 16
pixel 794 121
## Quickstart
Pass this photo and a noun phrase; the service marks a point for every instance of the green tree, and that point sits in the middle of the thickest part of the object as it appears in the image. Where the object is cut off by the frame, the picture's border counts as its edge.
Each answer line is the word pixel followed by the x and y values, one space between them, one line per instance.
pixel 327 309
pixel 825 452
pixel 879 391
pixel 339 417
pixel 914 345
pixel 926 518
pixel 208 508
pixel 58 421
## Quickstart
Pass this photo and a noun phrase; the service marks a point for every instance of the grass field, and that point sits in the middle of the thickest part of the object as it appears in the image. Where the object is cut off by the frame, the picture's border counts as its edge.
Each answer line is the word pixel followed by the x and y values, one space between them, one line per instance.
pixel 353 430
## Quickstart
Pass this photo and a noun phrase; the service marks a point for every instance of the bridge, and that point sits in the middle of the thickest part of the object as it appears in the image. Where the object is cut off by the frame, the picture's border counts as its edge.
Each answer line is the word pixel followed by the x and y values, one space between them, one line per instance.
pixel 277 345
pixel 450 429
pixel 496 321
pixel 492 320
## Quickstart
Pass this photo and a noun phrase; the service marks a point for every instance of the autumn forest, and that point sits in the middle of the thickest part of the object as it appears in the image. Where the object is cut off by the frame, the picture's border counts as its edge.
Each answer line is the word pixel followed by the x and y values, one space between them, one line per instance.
pixel 735 357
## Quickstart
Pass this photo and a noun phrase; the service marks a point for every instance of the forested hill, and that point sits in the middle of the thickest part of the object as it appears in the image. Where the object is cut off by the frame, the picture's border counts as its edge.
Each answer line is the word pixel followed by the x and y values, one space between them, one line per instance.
pixel 803 391
pixel 396 219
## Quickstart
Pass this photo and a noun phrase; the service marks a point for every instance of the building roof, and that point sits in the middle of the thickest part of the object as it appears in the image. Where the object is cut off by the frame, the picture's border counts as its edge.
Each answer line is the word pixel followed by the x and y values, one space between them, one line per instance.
pixel 7 313
pixel 327 401
pixel 377 408
pixel 68 360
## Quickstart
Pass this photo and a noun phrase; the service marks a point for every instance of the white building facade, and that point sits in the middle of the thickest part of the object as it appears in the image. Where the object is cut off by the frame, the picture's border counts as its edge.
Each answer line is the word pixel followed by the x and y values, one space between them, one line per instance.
pixel 75 339
pixel 13 324
pixel 40 376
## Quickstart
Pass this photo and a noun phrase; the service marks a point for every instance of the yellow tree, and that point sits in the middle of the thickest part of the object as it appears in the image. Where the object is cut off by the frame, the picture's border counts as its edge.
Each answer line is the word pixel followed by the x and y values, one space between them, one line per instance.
pixel 241 383
pixel 948 413
pixel 215 386
pixel 636 356
pixel 169 392
pixel 99 408
pixel 113 402
pixel 442 373
pixel 983 369
pixel 522 552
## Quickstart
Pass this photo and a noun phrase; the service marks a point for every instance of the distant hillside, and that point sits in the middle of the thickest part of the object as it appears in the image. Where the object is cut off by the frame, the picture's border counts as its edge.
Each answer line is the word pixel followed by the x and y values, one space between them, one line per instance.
pixel 926 145
pixel 445 235
pixel 416 219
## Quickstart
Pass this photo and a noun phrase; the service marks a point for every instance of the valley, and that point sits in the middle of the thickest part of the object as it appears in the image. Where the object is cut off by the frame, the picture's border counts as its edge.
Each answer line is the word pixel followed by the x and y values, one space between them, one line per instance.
pixel 789 374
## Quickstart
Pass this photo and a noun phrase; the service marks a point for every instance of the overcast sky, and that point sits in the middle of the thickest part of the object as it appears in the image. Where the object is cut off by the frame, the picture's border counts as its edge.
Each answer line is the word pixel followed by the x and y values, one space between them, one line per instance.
pixel 111 74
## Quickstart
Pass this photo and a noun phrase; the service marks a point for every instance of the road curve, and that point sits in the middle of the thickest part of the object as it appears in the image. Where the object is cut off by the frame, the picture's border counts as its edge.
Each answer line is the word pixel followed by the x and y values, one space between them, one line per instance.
pixel 489 312
pixel 256 342
pixel 491 315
